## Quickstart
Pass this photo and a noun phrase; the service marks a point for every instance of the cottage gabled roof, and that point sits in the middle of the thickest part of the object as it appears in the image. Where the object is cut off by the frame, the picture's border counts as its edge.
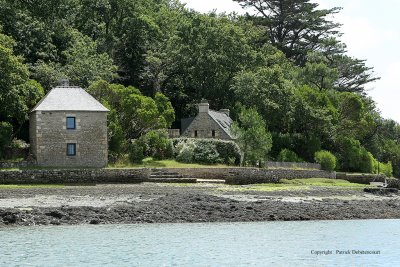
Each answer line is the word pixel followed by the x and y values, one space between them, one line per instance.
pixel 69 98
pixel 223 120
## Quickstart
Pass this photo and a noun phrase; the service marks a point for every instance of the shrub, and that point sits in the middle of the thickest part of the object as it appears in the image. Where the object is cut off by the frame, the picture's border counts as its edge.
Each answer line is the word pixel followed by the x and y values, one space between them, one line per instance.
pixel 385 168
pixel 157 145
pixel 136 152
pixel 354 157
pixel 185 152
pixel 287 155
pixel 209 151
pixel 326 159
pixel 6 130
pixel 206 152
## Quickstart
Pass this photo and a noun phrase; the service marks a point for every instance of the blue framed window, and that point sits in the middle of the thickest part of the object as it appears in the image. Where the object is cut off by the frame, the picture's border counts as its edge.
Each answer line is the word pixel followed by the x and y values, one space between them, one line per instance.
pixel 71 123
pixel 71 149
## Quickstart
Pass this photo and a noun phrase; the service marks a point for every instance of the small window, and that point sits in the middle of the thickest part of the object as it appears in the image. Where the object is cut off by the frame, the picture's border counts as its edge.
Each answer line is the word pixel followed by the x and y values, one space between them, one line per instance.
pixel 213 133
pixel 195 134
pixel 71 149
pixel 71 123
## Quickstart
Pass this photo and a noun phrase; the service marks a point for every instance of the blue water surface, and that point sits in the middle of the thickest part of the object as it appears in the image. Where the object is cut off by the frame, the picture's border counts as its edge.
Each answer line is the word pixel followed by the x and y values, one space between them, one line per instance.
pixel 208 244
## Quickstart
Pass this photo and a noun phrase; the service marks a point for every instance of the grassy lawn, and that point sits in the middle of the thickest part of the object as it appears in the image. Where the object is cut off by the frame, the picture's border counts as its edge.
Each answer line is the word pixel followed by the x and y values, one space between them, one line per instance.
pixel 304 184
pixel 151 163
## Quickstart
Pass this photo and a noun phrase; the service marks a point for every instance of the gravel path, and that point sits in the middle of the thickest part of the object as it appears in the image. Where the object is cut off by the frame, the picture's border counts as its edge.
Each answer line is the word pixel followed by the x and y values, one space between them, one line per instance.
pixel 162 203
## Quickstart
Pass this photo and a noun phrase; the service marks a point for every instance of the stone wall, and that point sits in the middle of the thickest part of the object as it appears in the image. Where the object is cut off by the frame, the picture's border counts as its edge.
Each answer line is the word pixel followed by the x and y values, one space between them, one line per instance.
pixel 291 165
pixel 74 176
pixel 49 139
pixel 247 175
pixel 361 178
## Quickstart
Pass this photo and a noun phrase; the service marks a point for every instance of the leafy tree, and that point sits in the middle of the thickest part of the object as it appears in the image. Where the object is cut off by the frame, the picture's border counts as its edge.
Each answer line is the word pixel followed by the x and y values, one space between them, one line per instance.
pixel 267 90
pixel 137 114
pixel 6 131
pixel 253 138
pixel 17 93
pixel 298 27
pixel 294 26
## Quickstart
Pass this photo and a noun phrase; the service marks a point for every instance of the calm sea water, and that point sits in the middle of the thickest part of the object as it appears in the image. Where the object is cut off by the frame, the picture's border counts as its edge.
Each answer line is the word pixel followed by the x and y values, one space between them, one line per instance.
pixel 214 244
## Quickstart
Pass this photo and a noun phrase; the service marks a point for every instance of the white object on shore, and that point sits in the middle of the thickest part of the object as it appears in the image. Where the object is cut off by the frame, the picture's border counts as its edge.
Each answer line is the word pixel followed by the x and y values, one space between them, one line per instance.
pixel 379 184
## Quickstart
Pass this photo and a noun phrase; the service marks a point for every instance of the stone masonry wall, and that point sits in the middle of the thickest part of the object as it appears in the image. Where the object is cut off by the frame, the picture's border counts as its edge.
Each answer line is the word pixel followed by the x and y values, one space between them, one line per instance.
pixel 82 176
pixel 204 125
pixel 361 178
pixel 74 176
pixel 49 138
pixel 247 175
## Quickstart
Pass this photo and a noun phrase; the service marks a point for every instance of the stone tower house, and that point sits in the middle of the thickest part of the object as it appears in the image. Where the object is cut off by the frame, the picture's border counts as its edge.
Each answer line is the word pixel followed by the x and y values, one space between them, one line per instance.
pixel 68 128
pixel 208 124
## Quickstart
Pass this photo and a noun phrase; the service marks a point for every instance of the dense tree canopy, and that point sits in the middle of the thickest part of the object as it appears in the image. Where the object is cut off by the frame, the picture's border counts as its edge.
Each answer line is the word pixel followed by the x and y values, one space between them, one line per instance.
pixel 151 61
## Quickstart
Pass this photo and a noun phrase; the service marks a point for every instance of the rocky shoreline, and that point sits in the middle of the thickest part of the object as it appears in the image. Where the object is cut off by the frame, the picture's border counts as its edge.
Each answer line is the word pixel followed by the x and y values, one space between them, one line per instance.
pixel 160 203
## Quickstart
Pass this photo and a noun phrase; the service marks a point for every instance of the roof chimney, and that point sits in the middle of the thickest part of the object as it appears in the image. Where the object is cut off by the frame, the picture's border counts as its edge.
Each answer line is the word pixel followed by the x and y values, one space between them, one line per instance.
pixel 64 82
pixel 225 111
pixel 204 106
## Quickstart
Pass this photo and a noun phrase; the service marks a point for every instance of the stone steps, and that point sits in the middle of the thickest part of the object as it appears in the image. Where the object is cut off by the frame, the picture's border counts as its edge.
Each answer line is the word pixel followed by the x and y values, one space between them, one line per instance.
pixel 173 180
pixel 210 181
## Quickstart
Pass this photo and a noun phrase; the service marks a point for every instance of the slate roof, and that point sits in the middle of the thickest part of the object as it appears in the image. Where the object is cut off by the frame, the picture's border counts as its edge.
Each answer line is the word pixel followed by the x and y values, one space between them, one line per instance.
pixel 69 98
pixel 185 123
pixel 223 120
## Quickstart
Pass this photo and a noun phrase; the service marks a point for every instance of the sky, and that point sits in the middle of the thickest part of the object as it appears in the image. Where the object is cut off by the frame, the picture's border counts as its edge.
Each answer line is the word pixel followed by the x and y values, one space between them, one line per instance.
pixel 370 31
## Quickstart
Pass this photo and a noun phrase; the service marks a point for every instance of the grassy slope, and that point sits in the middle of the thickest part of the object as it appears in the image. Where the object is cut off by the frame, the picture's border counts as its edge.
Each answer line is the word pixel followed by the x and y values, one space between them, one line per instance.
pixel 151 163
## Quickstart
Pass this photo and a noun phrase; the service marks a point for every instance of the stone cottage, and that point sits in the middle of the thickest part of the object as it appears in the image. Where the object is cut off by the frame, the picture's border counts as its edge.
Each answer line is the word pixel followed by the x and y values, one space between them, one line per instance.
pixel 68 128
pixel 208 124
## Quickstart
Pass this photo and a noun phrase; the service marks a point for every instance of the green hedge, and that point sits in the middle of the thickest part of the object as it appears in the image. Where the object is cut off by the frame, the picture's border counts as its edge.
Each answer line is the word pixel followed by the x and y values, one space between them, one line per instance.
pixel 287 155
pixel 326 159
pixel 206 151
pixel 153 144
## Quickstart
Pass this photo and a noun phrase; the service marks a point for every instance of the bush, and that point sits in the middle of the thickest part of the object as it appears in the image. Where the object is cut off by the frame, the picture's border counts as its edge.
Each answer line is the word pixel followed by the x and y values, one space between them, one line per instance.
pixel 136 152
pixel 6 131
pixel 383 168
pixel 287 155
pixel 354 157
pixel 185 152
pixel 326 159
pixel 157 145
pixel 207 151
pixel 386 169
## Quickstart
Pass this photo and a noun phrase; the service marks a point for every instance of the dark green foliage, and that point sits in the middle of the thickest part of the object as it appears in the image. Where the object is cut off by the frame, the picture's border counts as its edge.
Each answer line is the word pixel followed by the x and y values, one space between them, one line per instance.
pixel 252 136
pixel 157 145
pixel 151 61
pixel 287 155
pixel 353 157
pixel 136 152
pixel 326 159
pixel 6 130
pixel 207 151
pixel 136 114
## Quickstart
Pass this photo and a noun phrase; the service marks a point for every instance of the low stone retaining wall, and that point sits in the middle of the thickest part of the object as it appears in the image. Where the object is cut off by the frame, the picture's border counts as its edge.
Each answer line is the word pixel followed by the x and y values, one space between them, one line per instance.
pixel 74 176
pixel 256 176
pixel 393 183
pixel 292 165
pixel 361 178
pixel 247 175
pixel 91 176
